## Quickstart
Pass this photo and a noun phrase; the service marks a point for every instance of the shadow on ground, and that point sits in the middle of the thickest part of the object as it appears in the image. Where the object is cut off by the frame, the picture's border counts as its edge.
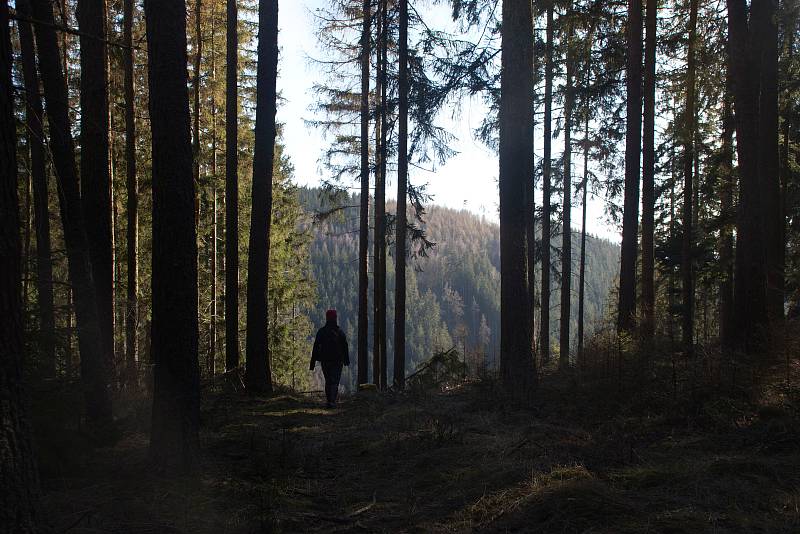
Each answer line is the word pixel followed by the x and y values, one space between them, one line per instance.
pixel 442 461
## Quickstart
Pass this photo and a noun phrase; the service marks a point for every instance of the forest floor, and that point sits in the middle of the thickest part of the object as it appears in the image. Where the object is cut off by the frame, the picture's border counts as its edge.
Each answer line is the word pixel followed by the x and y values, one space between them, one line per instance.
pixel 447 460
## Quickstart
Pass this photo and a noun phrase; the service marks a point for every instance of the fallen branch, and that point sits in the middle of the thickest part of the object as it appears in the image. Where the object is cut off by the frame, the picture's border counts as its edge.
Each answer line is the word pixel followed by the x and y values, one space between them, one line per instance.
pixel 77 522
pixel 330 519
pixel 349 518
pixel 363 508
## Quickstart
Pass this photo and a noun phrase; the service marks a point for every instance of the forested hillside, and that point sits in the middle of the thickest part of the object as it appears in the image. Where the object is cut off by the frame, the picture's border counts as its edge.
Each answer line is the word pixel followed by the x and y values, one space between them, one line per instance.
pixel 453 292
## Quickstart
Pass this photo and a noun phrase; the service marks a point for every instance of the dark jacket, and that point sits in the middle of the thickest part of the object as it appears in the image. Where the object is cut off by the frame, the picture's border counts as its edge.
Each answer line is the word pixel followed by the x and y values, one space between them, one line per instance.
pixel 330 345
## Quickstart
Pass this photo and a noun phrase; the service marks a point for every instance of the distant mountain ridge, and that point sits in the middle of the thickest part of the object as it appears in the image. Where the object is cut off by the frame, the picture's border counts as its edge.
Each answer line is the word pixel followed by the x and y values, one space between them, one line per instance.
pixel 454 293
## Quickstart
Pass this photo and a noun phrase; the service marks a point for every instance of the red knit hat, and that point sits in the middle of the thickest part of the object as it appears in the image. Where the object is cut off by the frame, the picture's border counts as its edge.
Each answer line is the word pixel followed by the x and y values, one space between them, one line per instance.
pixel 330 315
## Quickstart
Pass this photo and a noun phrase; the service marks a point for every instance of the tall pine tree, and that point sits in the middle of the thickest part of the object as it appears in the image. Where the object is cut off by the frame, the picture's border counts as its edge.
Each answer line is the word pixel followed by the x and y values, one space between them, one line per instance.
pixel 174 336
pixel 258 378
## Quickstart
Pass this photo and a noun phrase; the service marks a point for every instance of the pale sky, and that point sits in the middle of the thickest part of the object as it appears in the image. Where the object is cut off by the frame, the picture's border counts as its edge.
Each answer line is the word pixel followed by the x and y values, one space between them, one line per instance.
pixel 468 180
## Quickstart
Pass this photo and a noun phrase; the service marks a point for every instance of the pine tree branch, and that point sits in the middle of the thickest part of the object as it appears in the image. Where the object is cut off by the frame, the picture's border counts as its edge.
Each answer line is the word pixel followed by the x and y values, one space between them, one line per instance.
pixel 14 15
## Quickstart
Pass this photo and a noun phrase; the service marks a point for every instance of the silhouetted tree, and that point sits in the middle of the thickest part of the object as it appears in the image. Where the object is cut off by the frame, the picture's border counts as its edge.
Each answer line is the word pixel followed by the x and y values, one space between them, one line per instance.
pixel 363 229
pixel 174 332
pixel 258 377
pixel 726 253
pixel 132 185
pixel 544 321
pixel 518 368
pixel 18 483
pixel 232 190
pixel 688 133
pixel 41 201
pixel 400 223
pixel 566 220
pixel 94 368
pixel 95 175
pixel 752 54
pixel 381 137
pixel 626 310
pixel 648 172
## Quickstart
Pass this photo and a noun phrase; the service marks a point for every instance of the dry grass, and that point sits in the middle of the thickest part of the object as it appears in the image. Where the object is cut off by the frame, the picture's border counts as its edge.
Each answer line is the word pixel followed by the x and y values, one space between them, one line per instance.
pixel 590 457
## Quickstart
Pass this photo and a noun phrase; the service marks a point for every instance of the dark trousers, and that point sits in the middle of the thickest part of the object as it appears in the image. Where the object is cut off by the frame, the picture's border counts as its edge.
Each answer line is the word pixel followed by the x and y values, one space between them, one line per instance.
pixel 333 373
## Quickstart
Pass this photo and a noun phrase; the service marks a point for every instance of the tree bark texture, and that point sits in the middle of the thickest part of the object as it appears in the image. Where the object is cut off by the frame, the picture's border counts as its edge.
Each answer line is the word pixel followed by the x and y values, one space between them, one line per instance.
pixel 400 225
pixel 726 253
pixel 132 186
pixel 626 310
pixel 363 230
pixel 379 200
pixel 566 221
pixel 18 478
pixel 379 277
pixel 648 172
pixel 765 32
pixel 174 330
pixel 582 268
pixel 750 299
pixel 518 369
pixel 232 189
pixel 544 320
pixel 94 176
pixel 258 377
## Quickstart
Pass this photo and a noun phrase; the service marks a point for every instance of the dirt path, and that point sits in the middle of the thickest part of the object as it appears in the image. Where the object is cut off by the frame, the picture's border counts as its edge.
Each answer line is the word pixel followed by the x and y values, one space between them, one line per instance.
pixel 442 462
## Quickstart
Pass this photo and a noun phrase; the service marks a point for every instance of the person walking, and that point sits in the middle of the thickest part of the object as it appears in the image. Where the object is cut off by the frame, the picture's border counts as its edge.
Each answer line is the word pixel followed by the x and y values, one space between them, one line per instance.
pixel 332 352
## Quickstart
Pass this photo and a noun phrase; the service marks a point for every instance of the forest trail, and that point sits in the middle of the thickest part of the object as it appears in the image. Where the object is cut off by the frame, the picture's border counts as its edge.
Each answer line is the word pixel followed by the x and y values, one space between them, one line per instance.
pixel 447 461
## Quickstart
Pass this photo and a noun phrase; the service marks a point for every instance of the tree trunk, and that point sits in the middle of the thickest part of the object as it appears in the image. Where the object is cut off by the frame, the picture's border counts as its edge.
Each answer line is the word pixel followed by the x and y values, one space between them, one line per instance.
pixel 19 483
pixel 132 312
pixel 68 326
pixel 582 275
pixel 119 311
pixel 62 4
pixel 687 263
pixel 400 224
pixel 212 326
pixel 258 377
pixel 94 359
pixel 750 302
pixel 384 161
pixel 726 235
pixel 765 32
pixel 41 200
pixel 626 311
pixel 117 366
pixel 544 320
pixel 26 225
pixel 648 173
pixel 585 192
pixel 518 369
pixel 174 330
pixel 95 178
pixel 379 200
pixel 671 285
pixel 232 190
pixel 530 218
pixel 198 56
pixel 363 232
pixel 566 222
pixel 380 204
pixel 788 128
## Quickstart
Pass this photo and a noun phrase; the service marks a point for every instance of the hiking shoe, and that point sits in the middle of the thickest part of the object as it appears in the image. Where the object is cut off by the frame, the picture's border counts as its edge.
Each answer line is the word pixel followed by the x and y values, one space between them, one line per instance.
pixel 330 405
